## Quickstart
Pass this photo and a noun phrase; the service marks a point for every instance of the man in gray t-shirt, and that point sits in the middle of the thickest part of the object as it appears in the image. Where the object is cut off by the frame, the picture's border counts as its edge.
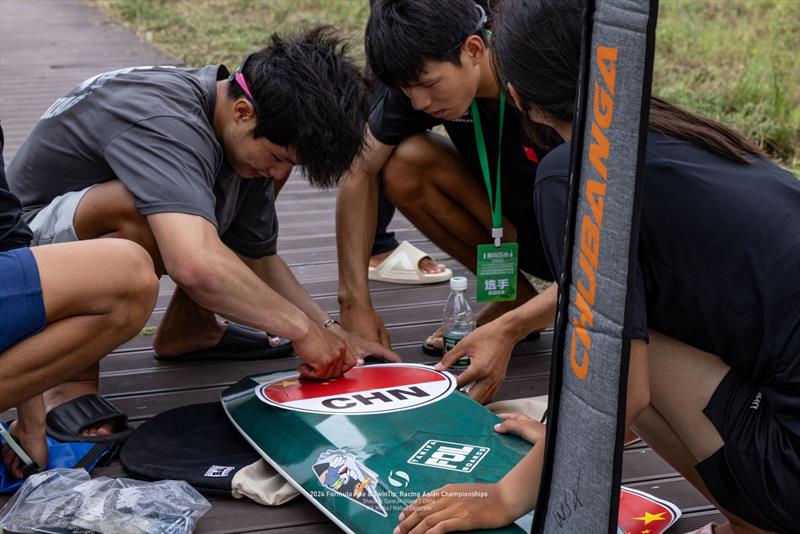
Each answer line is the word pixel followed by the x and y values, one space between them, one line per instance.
pixel 151 129
pixel 187 162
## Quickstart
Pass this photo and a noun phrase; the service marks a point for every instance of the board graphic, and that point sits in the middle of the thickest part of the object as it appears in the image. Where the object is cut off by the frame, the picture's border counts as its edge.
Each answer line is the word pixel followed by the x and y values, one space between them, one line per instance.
pixel 364 446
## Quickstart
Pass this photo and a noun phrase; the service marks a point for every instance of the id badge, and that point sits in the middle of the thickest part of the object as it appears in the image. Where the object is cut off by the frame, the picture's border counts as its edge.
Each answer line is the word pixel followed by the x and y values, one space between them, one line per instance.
pixel 497 272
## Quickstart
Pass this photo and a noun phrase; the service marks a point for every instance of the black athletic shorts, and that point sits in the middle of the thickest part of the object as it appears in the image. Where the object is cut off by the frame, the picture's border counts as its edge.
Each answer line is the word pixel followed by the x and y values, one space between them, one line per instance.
pixel 517 197
pixel 756 474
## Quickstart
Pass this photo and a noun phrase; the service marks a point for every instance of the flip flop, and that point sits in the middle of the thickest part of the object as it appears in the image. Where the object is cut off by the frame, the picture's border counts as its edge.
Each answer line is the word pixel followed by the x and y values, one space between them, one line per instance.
pixel 66 421
pixel 402 267
pixel 238 343
pixel 436 352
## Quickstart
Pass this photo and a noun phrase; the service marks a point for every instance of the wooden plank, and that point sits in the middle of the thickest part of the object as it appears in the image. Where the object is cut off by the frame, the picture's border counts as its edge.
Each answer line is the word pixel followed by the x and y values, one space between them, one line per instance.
pixel 676 490
pixel 47 47
pixel 644 465
pixel 234 516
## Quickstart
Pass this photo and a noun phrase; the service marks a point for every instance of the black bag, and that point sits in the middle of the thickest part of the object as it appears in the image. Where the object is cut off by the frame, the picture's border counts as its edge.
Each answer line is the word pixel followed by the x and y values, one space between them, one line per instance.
pixel 194 443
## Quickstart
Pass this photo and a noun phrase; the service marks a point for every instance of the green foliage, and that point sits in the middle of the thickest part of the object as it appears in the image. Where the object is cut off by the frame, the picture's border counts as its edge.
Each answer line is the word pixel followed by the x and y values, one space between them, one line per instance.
pixel 735 61
pixel 200 32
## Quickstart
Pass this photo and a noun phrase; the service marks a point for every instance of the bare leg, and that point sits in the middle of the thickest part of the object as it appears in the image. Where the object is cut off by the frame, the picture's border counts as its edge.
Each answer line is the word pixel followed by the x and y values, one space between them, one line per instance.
pixel 108 210
pixel 29 429
pixel 427 181
pixel 83 382
pixel 186 327
pixel 96 295
pixel 682 381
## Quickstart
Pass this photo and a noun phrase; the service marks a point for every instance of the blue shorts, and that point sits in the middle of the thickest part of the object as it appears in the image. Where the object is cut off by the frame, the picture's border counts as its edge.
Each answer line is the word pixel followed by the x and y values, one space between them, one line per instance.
pixel 21 304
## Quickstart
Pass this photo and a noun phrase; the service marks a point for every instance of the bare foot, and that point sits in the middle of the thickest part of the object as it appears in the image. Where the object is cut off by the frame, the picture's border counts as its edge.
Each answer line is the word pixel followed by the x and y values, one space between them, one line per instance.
pixel 171 348
pixel 32 441
pixel 173 343
pixel 186 327
pixel 84 384
pixel 426 264
pixel 436 339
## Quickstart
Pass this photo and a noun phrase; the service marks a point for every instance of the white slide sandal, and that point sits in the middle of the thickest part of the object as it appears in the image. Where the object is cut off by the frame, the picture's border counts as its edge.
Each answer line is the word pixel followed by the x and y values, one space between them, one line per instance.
pixel 402 267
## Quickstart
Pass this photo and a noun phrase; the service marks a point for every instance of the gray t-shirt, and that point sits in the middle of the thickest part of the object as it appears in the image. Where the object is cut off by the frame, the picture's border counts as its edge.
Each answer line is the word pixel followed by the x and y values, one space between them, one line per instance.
pixel 151 128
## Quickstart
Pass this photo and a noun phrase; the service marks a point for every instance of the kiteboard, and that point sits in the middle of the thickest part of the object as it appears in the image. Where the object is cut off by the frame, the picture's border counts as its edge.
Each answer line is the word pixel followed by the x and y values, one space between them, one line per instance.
pixel 364 446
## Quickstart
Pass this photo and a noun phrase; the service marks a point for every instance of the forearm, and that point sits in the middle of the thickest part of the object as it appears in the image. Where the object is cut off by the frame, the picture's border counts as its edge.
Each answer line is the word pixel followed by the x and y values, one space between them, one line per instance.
pixel 536 314
pixel 356 218
pixel 231 289
pixel 277 275
pixel 519 489
pixel 215 278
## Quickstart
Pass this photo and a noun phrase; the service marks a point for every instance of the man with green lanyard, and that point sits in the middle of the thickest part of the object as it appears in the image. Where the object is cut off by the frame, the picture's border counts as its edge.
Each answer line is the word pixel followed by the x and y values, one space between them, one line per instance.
pixel 497 262
pixel 434 69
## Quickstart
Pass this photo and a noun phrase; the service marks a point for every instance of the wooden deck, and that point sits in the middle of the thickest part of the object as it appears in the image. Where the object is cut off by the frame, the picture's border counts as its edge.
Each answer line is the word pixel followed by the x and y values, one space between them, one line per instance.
pixel 46 47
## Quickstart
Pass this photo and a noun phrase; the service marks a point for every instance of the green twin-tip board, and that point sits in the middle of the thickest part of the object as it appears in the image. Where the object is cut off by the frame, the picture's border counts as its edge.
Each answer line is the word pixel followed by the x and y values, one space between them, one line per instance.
pixel 364 446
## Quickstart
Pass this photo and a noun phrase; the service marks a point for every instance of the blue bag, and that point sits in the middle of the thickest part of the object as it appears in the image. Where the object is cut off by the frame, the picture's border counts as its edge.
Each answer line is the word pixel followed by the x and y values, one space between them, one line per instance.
pixel 75 454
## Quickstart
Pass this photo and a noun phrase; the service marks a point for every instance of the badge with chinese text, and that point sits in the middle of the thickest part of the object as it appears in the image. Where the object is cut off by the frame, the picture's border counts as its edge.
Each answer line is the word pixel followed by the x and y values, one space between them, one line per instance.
pixel 497 272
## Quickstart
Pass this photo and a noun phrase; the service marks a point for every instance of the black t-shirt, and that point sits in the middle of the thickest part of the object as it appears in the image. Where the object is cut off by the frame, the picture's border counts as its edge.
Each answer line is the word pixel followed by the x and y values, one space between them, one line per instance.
pixel 719 256
pixel 14 233
pixel 393 119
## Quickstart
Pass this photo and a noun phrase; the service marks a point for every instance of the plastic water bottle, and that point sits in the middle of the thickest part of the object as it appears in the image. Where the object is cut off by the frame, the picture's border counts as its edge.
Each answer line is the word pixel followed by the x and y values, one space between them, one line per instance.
pixel 458 319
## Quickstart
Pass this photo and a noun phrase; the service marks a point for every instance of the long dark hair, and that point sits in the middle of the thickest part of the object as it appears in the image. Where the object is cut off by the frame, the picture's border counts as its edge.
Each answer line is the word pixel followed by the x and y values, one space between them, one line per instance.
pixel 537 48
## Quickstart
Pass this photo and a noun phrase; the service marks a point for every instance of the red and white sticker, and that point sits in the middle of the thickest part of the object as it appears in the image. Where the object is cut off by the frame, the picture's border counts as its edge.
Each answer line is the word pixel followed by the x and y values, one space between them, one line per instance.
pixel 642 513
pixel 368 390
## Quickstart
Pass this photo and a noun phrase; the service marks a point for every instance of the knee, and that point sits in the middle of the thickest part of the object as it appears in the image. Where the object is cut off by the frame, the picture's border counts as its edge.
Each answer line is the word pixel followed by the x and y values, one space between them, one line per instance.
pixel 138 289
pixel 404 172
pixel 144 282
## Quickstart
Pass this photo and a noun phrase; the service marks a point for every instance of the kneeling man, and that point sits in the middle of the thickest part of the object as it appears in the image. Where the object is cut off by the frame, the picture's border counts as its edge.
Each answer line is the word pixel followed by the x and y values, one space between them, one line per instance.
pixel 187 163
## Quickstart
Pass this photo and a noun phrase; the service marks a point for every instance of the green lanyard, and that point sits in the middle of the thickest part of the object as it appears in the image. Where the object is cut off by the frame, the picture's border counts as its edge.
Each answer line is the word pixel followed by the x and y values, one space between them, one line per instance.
pixel 495 203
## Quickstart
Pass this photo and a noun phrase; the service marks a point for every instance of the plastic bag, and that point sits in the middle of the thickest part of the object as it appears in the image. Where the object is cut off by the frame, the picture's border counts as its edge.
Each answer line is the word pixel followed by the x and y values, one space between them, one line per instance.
pixel 67 500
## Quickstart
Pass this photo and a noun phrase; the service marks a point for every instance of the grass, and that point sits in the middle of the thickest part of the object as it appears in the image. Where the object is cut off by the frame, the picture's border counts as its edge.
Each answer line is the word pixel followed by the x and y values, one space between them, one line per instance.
pixel 735 61
pixel 148 331
pixel 200 32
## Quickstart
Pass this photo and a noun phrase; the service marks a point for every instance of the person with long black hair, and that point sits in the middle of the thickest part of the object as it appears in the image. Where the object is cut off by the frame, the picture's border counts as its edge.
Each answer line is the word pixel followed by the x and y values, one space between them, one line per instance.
pixel 714 376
